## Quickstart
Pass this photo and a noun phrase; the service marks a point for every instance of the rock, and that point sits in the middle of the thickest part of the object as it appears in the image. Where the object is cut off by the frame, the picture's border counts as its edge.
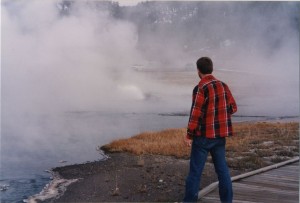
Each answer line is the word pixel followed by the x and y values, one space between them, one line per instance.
pixel 116 192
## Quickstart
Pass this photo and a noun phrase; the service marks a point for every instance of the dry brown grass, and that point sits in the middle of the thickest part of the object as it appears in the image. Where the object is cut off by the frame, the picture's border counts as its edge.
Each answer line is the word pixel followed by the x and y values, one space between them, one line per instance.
pixel 166 142
pixel 254 144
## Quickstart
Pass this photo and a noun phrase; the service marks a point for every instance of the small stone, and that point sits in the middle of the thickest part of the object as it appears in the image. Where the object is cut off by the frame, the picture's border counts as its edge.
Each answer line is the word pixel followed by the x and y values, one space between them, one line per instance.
pixel 116 192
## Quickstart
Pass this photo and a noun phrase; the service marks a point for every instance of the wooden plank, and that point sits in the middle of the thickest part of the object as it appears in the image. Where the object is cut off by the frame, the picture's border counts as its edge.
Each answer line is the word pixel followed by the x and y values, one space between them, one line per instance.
pixel 210 199
pixel 267 194
pixel 249 196
pixel 275 178
pixel 284 173
pixel 258 189
pixel 292 166
pixel 270 183
pixel 277 185
pixel 280 171
pixel 254 193
pixel 241 201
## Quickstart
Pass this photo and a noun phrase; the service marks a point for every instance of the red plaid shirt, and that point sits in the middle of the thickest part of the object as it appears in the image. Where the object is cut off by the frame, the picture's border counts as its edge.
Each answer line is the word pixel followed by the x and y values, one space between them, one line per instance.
pixel 213 105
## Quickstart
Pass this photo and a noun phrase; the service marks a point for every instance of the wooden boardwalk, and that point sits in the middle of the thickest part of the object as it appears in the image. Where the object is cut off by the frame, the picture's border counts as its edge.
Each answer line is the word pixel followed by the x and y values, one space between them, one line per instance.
pixel 280 185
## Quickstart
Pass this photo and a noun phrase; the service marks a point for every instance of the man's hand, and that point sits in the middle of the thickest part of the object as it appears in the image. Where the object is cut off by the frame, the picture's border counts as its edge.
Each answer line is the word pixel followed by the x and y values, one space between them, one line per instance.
pixel 187 141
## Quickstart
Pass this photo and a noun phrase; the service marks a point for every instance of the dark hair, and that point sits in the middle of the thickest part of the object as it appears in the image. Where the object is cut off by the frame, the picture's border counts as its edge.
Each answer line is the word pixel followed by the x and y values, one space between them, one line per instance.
pixel 205 65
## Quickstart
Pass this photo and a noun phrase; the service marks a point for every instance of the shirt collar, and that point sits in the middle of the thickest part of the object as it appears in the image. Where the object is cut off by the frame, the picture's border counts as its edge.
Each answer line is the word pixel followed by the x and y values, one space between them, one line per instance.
pixel 207 78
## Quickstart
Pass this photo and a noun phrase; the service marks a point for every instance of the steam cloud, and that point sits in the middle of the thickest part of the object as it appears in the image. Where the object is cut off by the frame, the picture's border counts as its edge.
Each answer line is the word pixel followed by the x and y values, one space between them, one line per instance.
pixel 59 56
pixel 82 61
pixel 54 63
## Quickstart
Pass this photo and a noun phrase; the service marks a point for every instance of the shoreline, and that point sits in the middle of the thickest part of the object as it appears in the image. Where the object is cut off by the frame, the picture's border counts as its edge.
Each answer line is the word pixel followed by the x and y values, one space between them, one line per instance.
pixel 125 177
pixel 54 189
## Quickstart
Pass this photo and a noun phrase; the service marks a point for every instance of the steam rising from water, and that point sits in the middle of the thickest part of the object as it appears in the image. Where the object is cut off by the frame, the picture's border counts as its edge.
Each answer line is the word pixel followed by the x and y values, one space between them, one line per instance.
pixel 55 63
pixel 83 60
pixel 60 57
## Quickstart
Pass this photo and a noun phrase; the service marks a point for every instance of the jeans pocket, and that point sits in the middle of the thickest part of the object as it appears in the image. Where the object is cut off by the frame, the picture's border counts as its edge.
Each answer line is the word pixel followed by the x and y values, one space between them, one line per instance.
pixel 200 141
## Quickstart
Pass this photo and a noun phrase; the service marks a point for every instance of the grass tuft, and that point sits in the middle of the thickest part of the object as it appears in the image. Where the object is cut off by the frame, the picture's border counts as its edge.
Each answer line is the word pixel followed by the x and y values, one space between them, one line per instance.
pixel 167 142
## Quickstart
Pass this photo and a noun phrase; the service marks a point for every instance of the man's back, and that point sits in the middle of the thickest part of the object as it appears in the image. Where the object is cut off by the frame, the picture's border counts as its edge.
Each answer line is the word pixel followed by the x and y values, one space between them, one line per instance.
pixel 212 107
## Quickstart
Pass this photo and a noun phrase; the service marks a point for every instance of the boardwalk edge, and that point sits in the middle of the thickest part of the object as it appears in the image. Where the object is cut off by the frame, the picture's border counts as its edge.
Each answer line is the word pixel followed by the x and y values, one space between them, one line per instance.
pixel 214 185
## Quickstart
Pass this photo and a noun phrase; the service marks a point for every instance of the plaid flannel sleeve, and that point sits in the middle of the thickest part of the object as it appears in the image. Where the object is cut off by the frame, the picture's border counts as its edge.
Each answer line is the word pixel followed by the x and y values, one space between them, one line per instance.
pixel 231 101
pixel 196 113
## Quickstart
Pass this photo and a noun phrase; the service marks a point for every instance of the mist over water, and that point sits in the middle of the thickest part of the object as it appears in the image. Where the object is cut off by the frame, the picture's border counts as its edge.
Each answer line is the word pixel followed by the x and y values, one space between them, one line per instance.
pixel 70 56
pixel 77 74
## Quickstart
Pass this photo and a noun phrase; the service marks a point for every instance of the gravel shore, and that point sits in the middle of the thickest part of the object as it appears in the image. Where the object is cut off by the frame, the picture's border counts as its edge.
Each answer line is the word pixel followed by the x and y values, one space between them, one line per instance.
pixel 129 178
pixel 125 177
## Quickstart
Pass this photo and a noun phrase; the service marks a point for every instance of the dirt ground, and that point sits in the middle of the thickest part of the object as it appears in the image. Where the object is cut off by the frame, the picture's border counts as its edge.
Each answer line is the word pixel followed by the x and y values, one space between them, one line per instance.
pixel 129 178
pixel 126 177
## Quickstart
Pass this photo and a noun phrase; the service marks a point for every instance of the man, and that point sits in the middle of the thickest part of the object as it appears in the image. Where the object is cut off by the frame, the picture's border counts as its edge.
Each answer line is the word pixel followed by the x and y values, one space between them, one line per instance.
pixel 209 124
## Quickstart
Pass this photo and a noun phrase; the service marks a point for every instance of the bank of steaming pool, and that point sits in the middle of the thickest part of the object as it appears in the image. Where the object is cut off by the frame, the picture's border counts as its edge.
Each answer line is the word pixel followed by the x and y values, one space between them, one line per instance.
pixel 19 186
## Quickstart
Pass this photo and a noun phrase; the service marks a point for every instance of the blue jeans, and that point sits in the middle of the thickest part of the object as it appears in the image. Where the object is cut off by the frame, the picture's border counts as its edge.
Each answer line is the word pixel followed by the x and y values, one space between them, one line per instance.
pixel 200 148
